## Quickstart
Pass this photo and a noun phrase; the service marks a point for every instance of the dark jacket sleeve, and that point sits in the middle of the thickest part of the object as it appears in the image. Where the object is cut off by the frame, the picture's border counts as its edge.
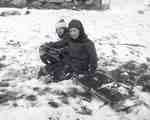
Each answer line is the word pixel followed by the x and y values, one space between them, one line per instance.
pixel 60 44
pixel 92 57
pixel 43 51
pixel 44 48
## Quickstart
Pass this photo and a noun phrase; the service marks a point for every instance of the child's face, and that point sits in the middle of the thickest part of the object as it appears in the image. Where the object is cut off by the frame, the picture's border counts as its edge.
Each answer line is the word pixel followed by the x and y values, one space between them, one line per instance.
pixel 60 31
pixel 74 33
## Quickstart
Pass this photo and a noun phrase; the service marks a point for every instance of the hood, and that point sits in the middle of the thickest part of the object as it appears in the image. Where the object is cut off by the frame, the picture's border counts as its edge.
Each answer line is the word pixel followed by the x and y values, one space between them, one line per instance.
pixel 77 24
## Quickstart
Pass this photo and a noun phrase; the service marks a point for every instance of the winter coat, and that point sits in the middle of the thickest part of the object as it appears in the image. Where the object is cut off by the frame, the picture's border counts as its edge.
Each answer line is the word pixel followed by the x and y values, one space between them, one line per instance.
pixel 81 53
pixel 52 51
pixel 82 57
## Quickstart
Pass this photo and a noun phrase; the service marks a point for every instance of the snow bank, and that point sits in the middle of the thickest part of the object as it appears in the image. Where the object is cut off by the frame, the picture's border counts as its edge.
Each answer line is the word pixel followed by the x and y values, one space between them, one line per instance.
pixel 118 36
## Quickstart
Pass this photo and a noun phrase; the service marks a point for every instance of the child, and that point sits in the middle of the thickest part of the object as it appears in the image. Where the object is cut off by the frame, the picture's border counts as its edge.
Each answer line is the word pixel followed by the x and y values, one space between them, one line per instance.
pixel 50 53
pixel 81 54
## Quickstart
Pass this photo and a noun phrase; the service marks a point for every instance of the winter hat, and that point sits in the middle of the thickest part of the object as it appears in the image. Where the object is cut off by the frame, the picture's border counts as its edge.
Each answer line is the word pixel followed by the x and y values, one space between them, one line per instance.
pixel 61 24
pixel 77 24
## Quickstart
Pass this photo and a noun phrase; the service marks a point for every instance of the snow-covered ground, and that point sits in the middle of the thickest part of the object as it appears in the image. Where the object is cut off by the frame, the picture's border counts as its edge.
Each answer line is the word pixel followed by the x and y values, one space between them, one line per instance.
pixel 119 36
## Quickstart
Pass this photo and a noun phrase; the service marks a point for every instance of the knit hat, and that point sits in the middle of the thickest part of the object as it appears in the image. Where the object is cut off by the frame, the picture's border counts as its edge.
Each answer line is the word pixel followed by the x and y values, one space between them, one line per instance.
pixel 61 24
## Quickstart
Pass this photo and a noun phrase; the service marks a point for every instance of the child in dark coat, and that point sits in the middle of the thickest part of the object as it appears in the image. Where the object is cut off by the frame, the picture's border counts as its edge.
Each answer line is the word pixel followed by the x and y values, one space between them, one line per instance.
pixel 81 54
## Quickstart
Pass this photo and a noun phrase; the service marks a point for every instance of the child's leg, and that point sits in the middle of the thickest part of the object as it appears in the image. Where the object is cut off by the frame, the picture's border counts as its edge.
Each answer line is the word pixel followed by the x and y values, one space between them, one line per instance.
pixel 58 72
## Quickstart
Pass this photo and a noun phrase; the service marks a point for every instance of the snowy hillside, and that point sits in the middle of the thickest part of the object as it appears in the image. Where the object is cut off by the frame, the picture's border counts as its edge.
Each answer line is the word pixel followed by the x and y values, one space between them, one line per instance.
pixel 119 37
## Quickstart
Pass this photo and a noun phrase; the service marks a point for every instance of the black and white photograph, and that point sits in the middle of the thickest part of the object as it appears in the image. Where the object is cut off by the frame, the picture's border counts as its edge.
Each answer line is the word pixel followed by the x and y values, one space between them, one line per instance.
pixel 74 59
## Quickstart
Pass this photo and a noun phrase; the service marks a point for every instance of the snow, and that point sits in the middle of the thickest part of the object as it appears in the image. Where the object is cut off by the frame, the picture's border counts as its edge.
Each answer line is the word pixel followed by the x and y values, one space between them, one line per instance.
pixel 111 31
